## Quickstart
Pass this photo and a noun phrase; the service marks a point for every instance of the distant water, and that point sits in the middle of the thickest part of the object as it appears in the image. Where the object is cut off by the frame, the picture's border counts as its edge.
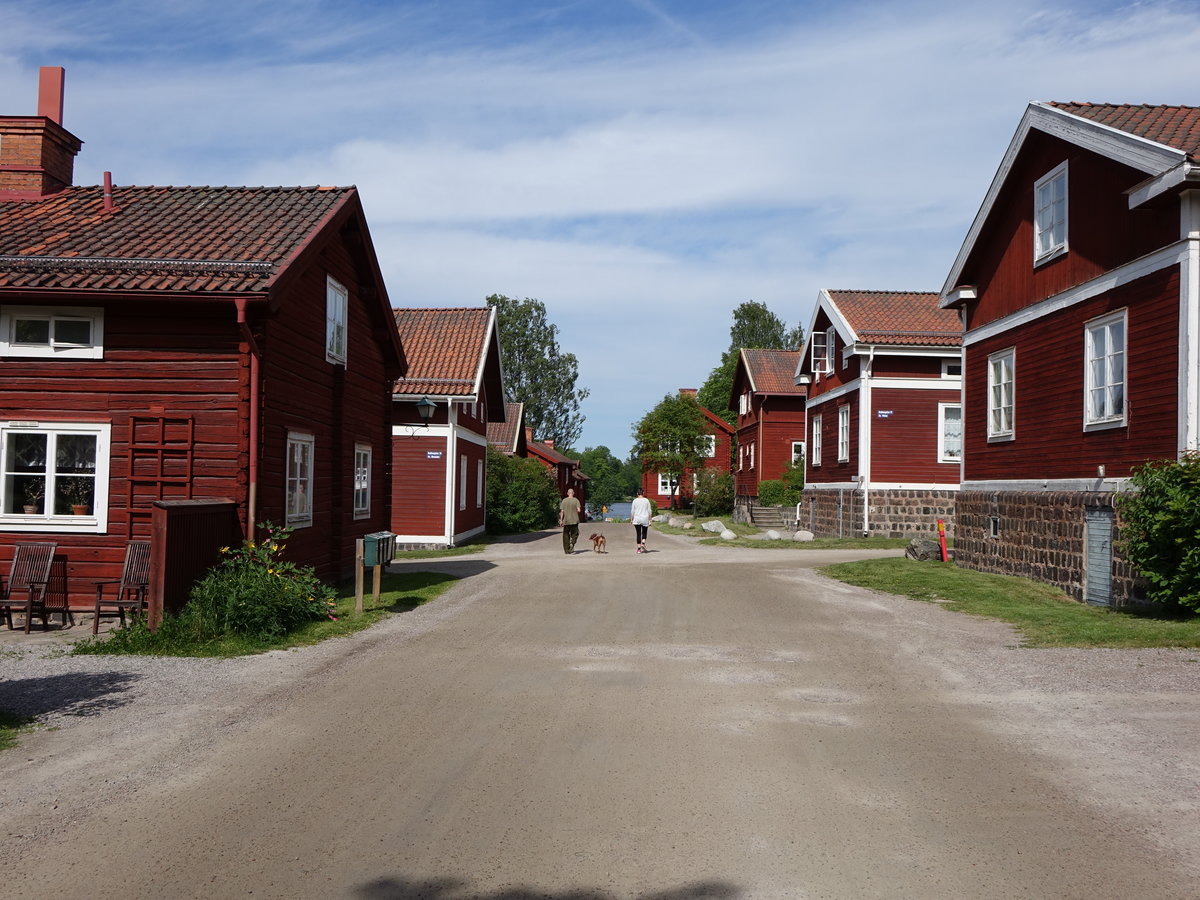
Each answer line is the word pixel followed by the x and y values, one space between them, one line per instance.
pixel 615 511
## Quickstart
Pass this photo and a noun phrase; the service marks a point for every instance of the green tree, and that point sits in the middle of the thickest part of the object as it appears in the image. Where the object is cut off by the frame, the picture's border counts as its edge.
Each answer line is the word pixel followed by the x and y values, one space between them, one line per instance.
pixel 672 438
pixel 611 481
pixel 521 495
pixel 714 493
pixel 536 372
pixel 1160 529
pixel 755 327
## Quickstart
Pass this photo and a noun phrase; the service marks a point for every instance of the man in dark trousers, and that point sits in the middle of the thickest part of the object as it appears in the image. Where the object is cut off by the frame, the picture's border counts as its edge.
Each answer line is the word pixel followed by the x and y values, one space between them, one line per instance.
pixel 568 518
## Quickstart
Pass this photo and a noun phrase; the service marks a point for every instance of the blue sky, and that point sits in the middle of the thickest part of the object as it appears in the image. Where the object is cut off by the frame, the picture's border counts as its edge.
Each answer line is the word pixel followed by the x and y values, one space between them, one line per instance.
pixel 640 166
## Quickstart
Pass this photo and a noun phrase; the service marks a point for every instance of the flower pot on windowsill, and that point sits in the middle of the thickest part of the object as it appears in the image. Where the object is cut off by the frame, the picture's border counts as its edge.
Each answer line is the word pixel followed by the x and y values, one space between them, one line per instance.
pixel 31 509
pixel 79 509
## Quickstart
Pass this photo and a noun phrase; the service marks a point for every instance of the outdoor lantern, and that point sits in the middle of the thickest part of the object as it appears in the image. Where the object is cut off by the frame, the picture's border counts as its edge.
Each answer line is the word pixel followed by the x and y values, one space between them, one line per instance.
pixel 425 408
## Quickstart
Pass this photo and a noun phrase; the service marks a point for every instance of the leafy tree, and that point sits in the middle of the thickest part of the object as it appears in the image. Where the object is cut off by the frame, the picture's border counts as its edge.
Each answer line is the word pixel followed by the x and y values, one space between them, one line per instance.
pixel 755 327
pixel 611 480
pixel 672 438
pixel 1160 529
pixel 536 372
pixel 714 493
pixel 521 495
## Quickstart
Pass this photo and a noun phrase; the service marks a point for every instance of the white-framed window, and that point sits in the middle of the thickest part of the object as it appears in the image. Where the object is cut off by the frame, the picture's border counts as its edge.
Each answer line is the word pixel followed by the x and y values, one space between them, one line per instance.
pixel 710 446
pixel 744 403
pixel 55 476
pixel 1104 349
pixel 830 346
pixel 300 479
pixel 741 457
pixel 820 355
pixel 1001 393
pixel 479 484
pixel 1050 214
pixel 666 484
pixel 797 453
pixel 337 304
pixel 52 332
pixel 843 434
pixel 952 368
pixel 751 454
pixel 816 441
pixel 462 482
pixel 950 432
pixel 362 481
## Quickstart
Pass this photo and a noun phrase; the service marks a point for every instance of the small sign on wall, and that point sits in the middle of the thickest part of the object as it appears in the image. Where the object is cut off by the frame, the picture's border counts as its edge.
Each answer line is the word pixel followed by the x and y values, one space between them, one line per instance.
pixel 883 413
pixel 433 454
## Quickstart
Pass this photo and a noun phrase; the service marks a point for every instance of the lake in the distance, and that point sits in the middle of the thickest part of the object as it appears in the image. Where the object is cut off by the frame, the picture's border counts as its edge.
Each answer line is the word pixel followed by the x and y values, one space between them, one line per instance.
pixel 615 511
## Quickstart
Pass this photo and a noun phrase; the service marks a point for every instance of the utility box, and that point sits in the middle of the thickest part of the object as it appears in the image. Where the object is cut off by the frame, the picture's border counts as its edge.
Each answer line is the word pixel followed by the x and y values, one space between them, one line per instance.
pixel 378 548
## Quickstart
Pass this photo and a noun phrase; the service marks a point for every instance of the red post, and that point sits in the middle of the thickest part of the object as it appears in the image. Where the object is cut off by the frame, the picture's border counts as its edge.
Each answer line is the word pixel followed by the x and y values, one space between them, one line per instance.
pixel 942 540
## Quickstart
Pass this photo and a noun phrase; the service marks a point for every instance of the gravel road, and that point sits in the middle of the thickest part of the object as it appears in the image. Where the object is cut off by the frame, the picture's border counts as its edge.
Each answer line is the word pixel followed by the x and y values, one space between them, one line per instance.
pixel 696 723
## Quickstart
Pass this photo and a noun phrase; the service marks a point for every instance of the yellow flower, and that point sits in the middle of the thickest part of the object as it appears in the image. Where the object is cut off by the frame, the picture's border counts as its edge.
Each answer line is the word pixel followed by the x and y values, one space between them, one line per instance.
pixel 224 549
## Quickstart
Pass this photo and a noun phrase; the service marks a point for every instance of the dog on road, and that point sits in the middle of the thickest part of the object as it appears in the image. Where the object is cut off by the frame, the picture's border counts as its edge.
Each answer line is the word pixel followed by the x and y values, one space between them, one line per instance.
pixel 599 543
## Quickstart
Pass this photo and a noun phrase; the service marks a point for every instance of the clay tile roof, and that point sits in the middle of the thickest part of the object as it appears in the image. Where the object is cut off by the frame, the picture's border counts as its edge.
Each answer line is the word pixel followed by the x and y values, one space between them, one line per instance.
pixel 550 453
pixel 1177 127
pixel 772 371
pixel 207 239
pixel 503 435
pixel 899 317
pixel 444 348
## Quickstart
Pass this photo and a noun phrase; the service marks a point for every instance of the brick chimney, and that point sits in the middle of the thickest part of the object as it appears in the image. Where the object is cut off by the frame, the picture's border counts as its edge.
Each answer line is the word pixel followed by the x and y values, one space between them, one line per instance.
pixel 37 155
pixel 688 392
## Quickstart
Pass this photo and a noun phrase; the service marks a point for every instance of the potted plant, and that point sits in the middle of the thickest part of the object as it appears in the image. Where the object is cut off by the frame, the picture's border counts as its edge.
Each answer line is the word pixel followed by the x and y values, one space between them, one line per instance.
pixel 35 490
pixel 79 492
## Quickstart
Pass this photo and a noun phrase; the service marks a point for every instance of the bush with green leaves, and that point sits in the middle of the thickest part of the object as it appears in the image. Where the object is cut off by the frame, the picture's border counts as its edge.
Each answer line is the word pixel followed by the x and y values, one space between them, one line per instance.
pixel 714 493
pixel 776 492
pixel 521 495
pixel 1160 529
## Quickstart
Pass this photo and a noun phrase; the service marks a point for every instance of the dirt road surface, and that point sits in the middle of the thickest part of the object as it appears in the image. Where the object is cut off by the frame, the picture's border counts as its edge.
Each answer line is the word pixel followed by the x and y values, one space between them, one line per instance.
pixel 693 723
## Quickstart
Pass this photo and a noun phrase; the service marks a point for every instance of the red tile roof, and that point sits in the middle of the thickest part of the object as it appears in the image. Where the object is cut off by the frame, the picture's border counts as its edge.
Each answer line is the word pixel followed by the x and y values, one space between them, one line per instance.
pixel 772 371
pixel 444 348
pixel 550 454
pixel 1177 127
pixel 175 239
pixel 503 435
pixel 899 317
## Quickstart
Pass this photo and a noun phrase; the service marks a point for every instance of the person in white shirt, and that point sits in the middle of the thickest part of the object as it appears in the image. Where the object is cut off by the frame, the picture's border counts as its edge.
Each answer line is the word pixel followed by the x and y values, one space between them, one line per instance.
pixel 639 515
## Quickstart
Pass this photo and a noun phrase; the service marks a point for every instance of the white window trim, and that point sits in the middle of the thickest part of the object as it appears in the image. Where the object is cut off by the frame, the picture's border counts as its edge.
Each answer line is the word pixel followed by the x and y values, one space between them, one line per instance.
pixel 1042 256
pixel 710 446
pixel 844 433
pixel 752 455
pixel 362 481
pixel 665 483
pixel 1091 423
pixel 947 363
pixel 796 444
pixel 816 442
pixel 820 355
pixel 479 484
pixel 941 451
pixel 303 518
pixel 462 481
pixel 995 434
pixel 10 314
pixel 337 313
pixel 830 346
pixel 97 521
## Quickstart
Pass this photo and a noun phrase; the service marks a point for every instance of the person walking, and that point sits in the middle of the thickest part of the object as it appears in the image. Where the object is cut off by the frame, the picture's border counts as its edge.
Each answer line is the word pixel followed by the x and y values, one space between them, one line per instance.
pixel 568 518
pixel 639 515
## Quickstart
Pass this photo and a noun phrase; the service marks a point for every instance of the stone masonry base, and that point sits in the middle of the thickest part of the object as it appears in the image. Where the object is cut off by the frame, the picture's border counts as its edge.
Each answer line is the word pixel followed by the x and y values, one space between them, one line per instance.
pixel 838 512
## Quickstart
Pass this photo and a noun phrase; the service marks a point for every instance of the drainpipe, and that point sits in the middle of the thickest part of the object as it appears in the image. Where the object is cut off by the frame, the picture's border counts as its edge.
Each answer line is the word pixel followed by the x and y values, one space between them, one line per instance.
pixel 865 458
pixel 255 355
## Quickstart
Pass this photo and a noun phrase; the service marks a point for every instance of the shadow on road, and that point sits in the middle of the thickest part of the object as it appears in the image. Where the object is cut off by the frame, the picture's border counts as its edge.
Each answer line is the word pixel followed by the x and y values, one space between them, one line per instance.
pixel 455 889
pixel 75 694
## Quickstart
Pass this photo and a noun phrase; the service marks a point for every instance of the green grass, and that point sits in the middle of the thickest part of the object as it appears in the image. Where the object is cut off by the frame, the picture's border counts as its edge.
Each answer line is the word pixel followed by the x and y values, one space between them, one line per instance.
pixel 875 543
pixel 400 592
pixel 1045 616
pixel 739 528
pixel 465 550
pixel 12 725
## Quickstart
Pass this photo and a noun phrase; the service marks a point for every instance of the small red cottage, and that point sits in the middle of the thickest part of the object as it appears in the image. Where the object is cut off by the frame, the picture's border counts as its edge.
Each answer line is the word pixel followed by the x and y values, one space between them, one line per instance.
pixel 884 376
pixel 509 436
pixel 771 421
pixel 184 343
pixel 1078 285
pixel 565 470
pixel 658 486
pixel 440 417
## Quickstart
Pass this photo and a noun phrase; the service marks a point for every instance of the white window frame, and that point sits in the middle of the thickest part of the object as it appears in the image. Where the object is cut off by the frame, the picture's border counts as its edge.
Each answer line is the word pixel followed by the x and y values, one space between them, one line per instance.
pixel 462 481
pixel 844 433
pixel 796 444
pixel 820 354
pixel 1105 324
pixel 710 446
pixel 362 481
pixel 997 428
pixel 752 455
pixel 479 484
pixel 337 307
pixel 96 521
pixel 943 453
pixel 830 347
pixel 1050 213
pixel 10 315
pixel 665 483
pixel 816 442
pixel 298 486
pixel 948 364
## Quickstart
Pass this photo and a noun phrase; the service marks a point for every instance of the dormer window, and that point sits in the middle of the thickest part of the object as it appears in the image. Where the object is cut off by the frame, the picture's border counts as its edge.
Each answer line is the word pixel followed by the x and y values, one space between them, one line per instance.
pixel 1050 215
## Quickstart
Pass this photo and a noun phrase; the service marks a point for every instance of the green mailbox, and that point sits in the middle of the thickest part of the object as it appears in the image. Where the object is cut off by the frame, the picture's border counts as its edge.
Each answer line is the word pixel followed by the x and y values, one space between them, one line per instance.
pixel 378 548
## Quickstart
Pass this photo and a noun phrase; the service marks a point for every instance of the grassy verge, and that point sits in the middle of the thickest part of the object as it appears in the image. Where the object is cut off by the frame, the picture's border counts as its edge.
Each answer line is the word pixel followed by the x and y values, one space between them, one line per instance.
pixel 874 543
pixel 738 528
pixel 1044 615
pixel 400 592
pixel 12 725
pixel 466 550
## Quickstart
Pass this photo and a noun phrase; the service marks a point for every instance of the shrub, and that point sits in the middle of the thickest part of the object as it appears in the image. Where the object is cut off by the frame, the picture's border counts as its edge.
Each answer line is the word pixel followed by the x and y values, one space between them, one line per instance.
pixel 521 495
pixel 776 493
pixel 1160 529
pixel 714 493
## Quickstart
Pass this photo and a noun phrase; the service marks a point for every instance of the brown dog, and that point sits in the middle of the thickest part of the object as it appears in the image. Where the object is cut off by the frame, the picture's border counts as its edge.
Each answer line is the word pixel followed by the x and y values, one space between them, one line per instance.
pixel 598 543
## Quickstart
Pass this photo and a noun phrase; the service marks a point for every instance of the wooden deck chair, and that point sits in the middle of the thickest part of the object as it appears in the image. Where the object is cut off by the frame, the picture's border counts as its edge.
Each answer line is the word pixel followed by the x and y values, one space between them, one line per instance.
pixel 28 579
pixel 131 586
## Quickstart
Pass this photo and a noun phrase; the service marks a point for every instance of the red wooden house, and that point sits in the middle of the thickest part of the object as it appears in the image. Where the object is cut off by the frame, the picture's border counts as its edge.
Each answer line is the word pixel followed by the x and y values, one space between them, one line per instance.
pixel 1078 285
pixel 771 421
pixel 439 468
pixel 565 469
pixel 658 485
pixel 509 436
pixel 884 376
pixel 164 344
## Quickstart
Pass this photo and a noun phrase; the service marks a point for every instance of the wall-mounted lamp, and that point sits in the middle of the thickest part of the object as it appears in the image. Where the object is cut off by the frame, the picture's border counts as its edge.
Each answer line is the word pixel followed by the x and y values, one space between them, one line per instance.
pixel 425 408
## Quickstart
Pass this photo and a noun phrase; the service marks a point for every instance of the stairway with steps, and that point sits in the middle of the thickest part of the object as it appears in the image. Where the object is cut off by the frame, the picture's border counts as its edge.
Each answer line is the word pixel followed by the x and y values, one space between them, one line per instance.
pixel 777 517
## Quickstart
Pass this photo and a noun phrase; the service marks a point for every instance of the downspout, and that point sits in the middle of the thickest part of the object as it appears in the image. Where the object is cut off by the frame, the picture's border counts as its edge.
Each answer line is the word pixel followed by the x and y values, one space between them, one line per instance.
pixel 864 430
pixel 255 355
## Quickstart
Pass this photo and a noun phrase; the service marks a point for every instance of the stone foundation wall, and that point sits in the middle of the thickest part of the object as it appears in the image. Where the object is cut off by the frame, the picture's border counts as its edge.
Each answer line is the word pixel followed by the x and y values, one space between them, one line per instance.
pixel 1040 536
pixel 892 513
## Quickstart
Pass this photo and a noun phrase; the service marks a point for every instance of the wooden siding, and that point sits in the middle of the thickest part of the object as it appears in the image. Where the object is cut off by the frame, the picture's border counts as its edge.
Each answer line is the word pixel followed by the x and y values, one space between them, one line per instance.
pixel 909 366
pixel 473 515
pixel 1049 383
pixel 418 485
pixel 775 421
pixel 830 469
pixel 904 443
pixel 1102 232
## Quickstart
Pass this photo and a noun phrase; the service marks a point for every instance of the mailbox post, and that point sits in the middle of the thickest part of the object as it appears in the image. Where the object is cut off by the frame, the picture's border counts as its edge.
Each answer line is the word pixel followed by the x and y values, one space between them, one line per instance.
pixel 375 550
